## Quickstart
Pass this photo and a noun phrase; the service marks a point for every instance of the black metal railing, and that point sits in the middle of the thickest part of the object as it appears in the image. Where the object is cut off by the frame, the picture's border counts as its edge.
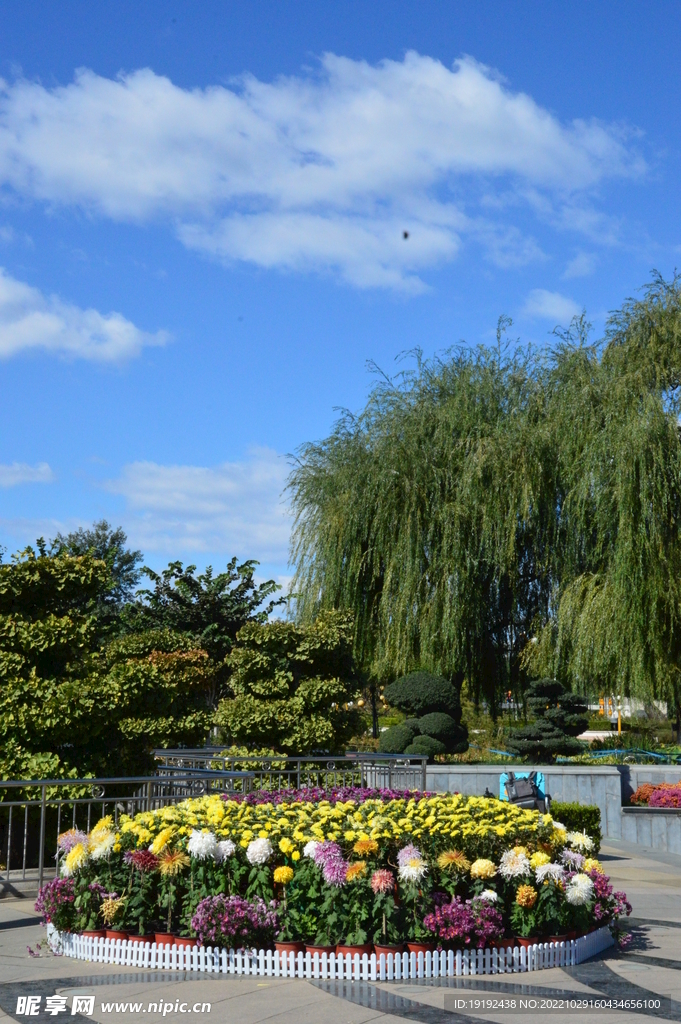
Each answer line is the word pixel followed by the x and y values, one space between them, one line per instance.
pixel 275 772
pixel 43 808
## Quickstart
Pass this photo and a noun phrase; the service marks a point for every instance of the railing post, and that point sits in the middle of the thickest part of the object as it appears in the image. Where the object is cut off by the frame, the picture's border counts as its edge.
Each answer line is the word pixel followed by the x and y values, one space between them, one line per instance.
pixel 423 774
pixel 41 853
pixel 150 794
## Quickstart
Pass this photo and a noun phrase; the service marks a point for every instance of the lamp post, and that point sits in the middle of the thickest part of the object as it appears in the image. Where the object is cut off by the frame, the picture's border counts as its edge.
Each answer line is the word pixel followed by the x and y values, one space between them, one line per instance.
pixel 619 715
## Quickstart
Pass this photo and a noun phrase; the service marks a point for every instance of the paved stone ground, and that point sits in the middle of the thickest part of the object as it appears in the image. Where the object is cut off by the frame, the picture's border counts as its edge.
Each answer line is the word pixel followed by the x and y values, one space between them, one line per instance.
pixel 651 967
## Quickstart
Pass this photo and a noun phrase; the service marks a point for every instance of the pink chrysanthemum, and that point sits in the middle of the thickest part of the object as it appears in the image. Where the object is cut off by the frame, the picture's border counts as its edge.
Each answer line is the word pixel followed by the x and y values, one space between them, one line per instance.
pixel 382 880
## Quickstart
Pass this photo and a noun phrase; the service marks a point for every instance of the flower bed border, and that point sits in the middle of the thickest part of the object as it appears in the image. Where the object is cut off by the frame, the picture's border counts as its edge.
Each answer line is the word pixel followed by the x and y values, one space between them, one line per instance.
pixel 270 964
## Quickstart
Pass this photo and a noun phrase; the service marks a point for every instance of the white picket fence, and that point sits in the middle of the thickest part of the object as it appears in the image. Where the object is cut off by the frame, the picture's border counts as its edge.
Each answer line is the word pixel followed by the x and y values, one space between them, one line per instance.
pixel 271 964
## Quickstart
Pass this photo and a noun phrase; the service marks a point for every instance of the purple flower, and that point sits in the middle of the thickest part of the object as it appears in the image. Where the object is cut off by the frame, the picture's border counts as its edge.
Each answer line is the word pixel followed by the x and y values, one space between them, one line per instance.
pixel 329 857
pixel 572 859
pixel 315 794
pixel 53 897
pixel 408 853
pixel 452 921
pixel 234 921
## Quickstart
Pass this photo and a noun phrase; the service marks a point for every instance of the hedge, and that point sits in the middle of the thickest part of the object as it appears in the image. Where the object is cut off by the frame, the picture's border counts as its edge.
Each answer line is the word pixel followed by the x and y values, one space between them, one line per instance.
pixel 579 818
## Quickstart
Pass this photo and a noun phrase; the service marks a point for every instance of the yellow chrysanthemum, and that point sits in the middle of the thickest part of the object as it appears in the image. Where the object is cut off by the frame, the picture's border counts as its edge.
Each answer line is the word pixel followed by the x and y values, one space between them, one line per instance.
pixel 453 860
pixel 592 864
pixel 171 862
pixel 295 855
pixel 366 847
pixel 111 908
pixel 283 875
pixel 526 896
pixel 539 858
pixel 162 839
pixel 483 868
pixel 285 845
pixel 75 859
pixel 355 871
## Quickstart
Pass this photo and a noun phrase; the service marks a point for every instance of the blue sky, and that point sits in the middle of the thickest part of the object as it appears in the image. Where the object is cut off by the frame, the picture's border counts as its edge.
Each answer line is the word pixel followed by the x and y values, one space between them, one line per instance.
pixel 202 216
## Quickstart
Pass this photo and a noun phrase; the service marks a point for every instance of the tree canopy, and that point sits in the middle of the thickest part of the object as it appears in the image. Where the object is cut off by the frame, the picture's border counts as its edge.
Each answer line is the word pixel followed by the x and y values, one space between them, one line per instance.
pixel 500 513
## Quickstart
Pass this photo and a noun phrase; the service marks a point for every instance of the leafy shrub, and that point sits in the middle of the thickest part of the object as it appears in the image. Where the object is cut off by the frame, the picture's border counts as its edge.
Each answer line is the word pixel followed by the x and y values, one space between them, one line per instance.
pixel 426 745
pixel 396 739
pixel 579 818
pixel 443 727
pixel 420 693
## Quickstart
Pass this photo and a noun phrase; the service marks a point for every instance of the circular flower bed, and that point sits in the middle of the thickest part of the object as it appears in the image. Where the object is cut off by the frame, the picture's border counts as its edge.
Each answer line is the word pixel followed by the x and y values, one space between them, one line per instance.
pixel 346 867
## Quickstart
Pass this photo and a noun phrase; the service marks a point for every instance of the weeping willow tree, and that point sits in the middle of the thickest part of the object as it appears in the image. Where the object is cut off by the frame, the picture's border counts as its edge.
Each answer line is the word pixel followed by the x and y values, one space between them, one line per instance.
pixel 494 513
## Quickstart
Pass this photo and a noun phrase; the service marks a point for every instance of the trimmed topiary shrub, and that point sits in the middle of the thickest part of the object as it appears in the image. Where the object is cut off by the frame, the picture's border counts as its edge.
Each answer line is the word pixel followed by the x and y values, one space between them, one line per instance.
pixel 421 693
pixel 396 739
pixel 443 727
pixel 579 818
pixel 426 745
pixel 436 700
pixel 561 715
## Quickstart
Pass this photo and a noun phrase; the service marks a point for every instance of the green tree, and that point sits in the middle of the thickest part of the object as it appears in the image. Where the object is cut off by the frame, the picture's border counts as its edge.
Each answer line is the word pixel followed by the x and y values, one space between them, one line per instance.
pixel 291 686
pixel 499 516
pixel 108 545
pixel 209 609
pixel 71 704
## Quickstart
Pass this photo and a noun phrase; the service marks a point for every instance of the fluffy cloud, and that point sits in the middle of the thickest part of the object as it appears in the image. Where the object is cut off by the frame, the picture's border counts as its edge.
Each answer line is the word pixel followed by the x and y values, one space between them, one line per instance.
pixel 21 473
pixel 583 264
pixel 550 306
pixel 235 508
pixel 325 171
pixel 30 320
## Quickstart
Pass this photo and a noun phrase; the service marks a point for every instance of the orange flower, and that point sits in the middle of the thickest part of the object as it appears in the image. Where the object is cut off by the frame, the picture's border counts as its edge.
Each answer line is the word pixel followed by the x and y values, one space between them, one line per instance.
pixel 365 847
pixel 355 870
pixel 171 862
pixel 526 896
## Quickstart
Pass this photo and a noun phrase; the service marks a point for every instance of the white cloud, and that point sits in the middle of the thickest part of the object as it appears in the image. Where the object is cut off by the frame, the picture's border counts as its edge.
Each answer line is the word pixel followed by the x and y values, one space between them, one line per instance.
pixel 21 473
pixel 550 306
pixel 235 508
pixel 324 171
pixel 30 320
pixel 583 264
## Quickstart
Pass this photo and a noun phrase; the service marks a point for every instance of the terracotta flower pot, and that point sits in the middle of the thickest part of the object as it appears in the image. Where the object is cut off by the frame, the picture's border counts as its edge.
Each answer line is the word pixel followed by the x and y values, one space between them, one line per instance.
pixel 557 938
pixel 352 950
pixel 499 943
pixel 386 950
pixel 572 935
pixel 320 949
pixel 520 941
pixel 110 934
pixel 185 940
pixel 289 947
pixel 421 947
pixel 140 938
pixel 97 933
pixel 164 939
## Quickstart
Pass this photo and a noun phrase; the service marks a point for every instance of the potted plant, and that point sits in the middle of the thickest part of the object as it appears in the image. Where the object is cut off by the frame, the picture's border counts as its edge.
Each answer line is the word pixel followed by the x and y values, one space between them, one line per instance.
pixel 171 863
pixel 55 903
pixel 415 894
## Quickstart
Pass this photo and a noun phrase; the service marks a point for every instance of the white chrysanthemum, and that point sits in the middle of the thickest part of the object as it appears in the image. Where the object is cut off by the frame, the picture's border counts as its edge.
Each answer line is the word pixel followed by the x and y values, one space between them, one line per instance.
pixel 489 895
pixel 580 840
pixel 513 865
pixel 559 824
pixel 413 870
pixel 224 849
pixel 103 847
pixel 310 848
pixel 202 845
pixel 259 851
pixel 545 871
pixel 579 890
